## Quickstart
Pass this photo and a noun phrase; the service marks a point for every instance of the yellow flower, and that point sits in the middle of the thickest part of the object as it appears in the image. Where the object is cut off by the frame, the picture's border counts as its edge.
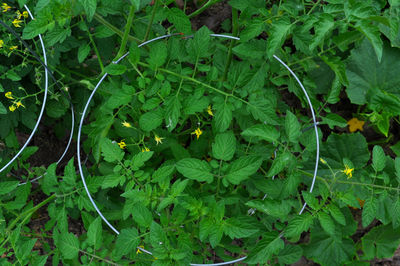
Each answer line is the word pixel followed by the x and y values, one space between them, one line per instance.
pixel 198 132
pixel 348 171
pixel 122 144
pixel 145 149
pixel 12 108
pixel 5 7
pixel 25 14
pixel 9 95
pixel 13 47
pixel 1 43
pixel 355 124
pixel 126 124
pixel 209 110
pixel 158 139
pixel 138 251
pixel 16 23
pixel 19 104
pixel 322 160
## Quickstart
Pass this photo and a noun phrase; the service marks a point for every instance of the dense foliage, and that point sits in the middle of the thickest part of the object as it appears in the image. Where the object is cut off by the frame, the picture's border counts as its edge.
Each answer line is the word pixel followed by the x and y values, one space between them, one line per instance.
pixel 198 147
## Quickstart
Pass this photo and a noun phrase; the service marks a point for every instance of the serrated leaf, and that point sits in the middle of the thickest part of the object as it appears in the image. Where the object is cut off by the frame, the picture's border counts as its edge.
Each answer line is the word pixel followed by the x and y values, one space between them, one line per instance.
pixel 36 27
pixel 290 254
pixel 337 214
pixel 298 225
pixel 195 169
pixel 83 52
pixel 265 132
pixel 140 158
pixel 115 69
pixel 158 55
pixel 271 244
pixel 373 34
pixel 173 112
pixel 50 183
pixel 95 233
pixel 243 168
pixel 58 34
pixel 292 127
pixel 326 223
pixel 239 227
pixel 369 211
pixel 90 8
pixel 180 20
pixel 378 158
pixel 381 242
pixel 222 118
pixel 322 28
pixel 7 186
pixel 69 246
pixel 110 151
pixel 127 241
pixel 224 146
pixel 151 120
pixel 141 215
pixel 279 163
pixel 279 31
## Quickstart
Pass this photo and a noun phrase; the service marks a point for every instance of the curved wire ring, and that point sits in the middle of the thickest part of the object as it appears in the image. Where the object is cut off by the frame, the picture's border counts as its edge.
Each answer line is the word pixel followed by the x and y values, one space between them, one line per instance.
pixel 41 113
pixel 102 79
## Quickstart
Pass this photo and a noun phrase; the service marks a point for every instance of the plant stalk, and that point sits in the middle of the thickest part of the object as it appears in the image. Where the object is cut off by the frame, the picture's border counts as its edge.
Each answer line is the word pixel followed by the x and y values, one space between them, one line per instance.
pixel 127 31
pixel 235 30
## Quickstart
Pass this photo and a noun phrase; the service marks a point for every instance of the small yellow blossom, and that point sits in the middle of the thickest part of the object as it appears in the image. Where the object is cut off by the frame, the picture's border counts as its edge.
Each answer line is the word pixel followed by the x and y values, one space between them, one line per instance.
pixel 126 124
pixel 9 95
pixel 5 7
pixel 322 160
pixel 348 171
pixel 198 132
pixel 23 14
pixel 13 47
pixel 138 251
pixel 12 108
pixel 209 110
pixel 158 139
pixel 1 43
pixel 355 124
pixel 145 149
pixel 122 144
pixel 16 23
pixel 18 104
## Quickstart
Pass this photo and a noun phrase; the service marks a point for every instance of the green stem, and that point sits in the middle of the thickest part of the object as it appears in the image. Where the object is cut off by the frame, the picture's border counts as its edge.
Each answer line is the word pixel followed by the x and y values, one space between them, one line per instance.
pixel 146 36
pixel 235 30
pixel 113 28
pixel 96 51
pixel 127 31
pixel 203 8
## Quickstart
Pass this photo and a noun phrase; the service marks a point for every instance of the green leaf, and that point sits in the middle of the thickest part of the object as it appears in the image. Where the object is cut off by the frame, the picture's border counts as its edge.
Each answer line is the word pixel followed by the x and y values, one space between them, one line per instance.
pixel 95 233
pixel 36 27
pixel 292 127
pixel 326 222
pixel 180 20
pixel 255 28
pixel 279 163
pixel 329 249
pixel 222 118
pixel 7 186
pixel 90 8
pixel 381 242
pixel 337 214
pixel 140 158
pixel 271 244
pixel 298 225
pixel 195 169
pixel 110 151
pixel 141 215
pixel 151 120
pixel 279 31
pixel 58 34
pixel 115 69
pixel 127 241
pixel 333 120
pixel 3 110
pixel 265 132
pixel 378 158
pixel 369 78
pixel 201 42
pixel 239 227
pixel 173 112
pixel 322 28
pixel 290 254
pixel 369 211
pixel 158 55
pixel 224 146
pixel 83 52
pixel 373 34
pixel 243 168
pixel 69 246
pixel 263 110
pixel 134 53
pixel 50 183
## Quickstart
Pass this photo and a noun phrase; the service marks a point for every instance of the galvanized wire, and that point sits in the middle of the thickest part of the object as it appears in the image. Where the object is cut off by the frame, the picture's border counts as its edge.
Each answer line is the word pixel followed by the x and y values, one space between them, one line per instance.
pixel 83 117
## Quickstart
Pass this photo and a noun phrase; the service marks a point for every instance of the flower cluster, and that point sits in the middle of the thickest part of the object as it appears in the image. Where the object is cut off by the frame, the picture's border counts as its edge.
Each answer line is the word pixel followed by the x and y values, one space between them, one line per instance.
pixel 15 104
